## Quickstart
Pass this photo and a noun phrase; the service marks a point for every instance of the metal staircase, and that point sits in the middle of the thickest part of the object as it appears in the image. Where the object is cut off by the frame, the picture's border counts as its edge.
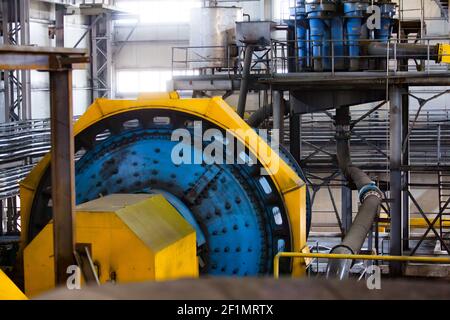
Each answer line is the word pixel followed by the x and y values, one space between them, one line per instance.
pixel 443 5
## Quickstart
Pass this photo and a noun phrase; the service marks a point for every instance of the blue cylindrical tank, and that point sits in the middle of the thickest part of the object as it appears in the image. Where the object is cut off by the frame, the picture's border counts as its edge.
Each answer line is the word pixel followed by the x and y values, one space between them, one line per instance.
pixel 301 29
pixel 354 12
pixel 320 14
pixel 388 11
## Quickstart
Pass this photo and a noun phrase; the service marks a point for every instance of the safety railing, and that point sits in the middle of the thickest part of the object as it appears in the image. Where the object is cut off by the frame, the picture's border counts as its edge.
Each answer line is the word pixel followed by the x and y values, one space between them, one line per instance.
pixel 287 60
pixel 282 56
pixel 188 58
pixel 221 59
pixel 299 255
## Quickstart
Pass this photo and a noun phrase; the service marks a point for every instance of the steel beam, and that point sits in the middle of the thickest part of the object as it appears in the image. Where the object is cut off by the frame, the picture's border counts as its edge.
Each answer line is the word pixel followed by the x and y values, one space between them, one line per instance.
pixel 62 169
pixel 396 134
pixel 346 208
pixel 39 58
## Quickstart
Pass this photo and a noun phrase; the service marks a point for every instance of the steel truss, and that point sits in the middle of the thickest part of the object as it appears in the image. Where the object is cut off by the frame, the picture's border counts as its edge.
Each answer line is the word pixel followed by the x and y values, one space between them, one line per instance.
pixel 422 146
pixel 16 31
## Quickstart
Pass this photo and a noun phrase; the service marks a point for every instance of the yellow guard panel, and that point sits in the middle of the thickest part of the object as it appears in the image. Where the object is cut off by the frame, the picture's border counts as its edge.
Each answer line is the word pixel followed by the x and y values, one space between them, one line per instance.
pixel 8 290
pixel 133 238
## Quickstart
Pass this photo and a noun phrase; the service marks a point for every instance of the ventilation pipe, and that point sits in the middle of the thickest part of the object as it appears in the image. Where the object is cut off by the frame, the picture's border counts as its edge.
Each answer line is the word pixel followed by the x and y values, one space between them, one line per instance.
pixel 369 195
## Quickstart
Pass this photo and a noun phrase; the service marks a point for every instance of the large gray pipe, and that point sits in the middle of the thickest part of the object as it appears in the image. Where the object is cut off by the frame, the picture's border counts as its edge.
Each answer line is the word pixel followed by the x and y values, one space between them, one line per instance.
pixel 370 198
pixel 404 50
pixel 245 80
pixel 264 113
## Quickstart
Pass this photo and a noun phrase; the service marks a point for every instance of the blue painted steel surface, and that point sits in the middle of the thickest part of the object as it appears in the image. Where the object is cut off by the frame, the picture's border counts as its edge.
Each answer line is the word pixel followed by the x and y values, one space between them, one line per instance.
pixel 388 11
pixel 301 30
pixel 341 22
pixel 355 13
pixel 233 211
pixel 320 15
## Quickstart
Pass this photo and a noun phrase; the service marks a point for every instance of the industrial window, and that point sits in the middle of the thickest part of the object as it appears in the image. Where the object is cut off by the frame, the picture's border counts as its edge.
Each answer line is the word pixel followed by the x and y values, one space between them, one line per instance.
pixel 132 82
pixel 281 9
pixel 160 11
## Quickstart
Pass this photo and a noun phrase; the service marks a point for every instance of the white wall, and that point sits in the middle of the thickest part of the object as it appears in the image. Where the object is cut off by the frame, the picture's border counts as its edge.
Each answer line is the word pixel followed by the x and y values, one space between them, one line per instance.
pixel 150 46
pixel 41 14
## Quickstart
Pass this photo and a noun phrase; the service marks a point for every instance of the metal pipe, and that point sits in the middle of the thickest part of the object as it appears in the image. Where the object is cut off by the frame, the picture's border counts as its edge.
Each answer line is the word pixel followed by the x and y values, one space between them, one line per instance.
pixel 245 80
pixel 403 50
pixel 265 112
pixel 369 195
pixel 333 256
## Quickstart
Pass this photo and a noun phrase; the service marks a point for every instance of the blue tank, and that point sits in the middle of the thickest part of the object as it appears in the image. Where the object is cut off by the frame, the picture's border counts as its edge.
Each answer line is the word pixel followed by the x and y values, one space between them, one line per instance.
pixel 320 15
pixel 301 30
pixel 388 10
pixel 337 27
pixel 355 13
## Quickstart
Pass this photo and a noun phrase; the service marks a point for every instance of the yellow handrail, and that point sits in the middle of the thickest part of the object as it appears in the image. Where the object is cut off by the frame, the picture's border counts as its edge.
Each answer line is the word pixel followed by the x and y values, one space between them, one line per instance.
pixel 276 262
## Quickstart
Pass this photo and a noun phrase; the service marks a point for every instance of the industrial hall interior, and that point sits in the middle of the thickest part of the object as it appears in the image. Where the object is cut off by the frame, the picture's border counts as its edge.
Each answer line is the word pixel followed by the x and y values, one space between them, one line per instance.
pixel 198 149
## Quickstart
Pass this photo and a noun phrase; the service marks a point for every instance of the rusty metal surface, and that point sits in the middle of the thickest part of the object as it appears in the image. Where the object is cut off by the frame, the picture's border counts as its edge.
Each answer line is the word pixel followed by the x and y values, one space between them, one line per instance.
pixel 63 171
pixel 260 289
pixel 40 58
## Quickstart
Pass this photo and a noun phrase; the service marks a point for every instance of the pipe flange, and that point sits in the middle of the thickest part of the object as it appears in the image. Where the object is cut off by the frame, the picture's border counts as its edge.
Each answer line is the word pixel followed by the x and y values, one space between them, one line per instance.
pixel 342 246
pixel 370 189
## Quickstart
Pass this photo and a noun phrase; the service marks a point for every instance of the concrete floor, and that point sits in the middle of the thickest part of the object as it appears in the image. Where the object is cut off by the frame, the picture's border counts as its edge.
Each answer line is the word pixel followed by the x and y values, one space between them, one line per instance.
pixel 260 289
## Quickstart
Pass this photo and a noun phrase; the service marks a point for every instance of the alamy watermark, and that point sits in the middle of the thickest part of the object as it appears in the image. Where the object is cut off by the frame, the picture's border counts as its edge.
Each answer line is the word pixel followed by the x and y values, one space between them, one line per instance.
pixel 73 281
pixel 374 20
pixel 213 146
pixel 373 279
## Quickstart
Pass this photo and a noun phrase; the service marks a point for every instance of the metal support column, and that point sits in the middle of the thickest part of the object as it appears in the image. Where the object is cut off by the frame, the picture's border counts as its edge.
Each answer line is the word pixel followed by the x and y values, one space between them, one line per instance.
pixel 62 168
pixel 59 62
pixel 59 25
pixel 278 114
pixel 396 134
pixel 406 174
pixel 295 129
pixel 344 119
pixel 347 210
